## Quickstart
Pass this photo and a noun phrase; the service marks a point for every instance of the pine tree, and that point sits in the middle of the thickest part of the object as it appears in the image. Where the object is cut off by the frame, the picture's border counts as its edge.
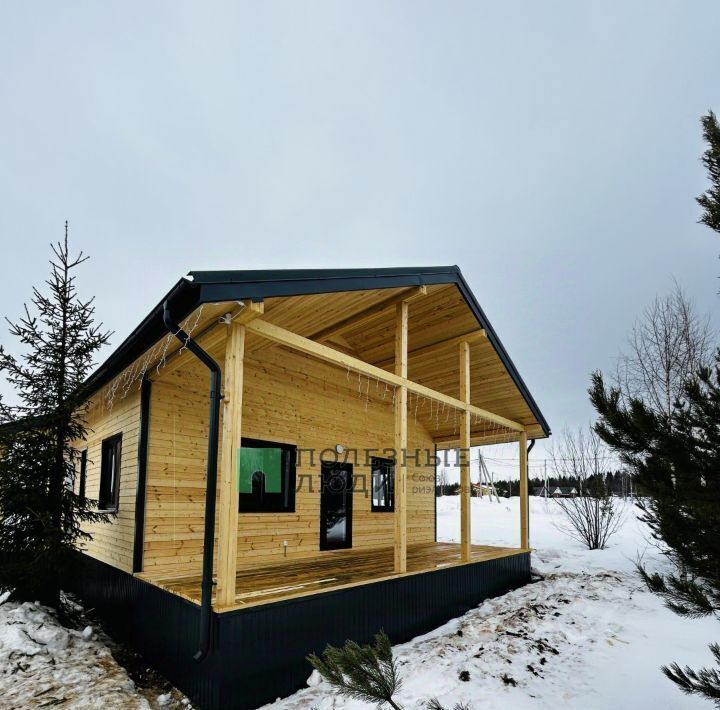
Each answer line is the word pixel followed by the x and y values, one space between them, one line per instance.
pixel 435 704
pixel 710 199
pixel 675 459
pixel 40 515
pixel 367 673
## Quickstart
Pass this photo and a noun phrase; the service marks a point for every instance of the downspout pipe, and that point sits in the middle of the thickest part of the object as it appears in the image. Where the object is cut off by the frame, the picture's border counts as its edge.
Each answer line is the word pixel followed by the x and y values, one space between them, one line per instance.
pixel 211 485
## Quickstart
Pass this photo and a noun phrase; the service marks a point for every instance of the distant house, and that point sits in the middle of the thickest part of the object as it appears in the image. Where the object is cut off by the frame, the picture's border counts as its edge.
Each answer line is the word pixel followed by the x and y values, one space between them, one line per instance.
pixel 567 491
pixel 555 491
pixel 480 490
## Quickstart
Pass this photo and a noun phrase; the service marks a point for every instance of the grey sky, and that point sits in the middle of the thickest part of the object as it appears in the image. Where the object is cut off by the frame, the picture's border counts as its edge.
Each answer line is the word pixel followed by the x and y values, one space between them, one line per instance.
pixel 549 149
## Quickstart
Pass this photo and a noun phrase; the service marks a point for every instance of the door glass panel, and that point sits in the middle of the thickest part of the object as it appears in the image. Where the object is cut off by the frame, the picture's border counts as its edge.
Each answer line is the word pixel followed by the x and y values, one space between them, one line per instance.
pixel 336 506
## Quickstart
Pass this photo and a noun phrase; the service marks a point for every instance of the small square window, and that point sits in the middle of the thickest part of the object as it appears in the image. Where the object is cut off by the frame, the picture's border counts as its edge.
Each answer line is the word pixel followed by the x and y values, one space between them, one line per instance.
pixel 383 485
pixel 266 477
pixel 109 494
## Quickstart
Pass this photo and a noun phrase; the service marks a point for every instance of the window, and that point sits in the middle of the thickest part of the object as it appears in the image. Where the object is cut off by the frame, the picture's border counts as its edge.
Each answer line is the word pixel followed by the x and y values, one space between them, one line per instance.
pixel 266 477
pixel 83 474
pixel 110 473
pixel 383 485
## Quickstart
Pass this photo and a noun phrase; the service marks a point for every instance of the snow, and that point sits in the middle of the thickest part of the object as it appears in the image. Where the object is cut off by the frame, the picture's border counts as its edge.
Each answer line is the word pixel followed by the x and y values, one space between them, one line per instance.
pixel 587 636
pixel 44 664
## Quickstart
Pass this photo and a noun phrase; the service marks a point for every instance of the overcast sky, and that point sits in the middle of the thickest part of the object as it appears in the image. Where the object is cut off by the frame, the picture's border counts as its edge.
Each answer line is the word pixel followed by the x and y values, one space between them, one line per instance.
pixel 551 150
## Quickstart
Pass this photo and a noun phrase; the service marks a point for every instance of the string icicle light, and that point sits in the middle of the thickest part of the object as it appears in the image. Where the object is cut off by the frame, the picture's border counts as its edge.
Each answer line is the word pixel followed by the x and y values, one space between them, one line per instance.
pixel 135 373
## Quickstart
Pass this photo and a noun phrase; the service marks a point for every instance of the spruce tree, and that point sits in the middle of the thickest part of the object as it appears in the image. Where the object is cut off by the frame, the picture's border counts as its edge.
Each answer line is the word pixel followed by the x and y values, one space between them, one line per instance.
pixel 675 459
pixel 710 199
pixel 40 514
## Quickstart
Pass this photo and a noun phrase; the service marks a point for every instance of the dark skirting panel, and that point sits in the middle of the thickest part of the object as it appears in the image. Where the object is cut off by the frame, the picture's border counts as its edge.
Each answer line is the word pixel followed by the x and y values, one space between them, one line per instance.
pixel 258 654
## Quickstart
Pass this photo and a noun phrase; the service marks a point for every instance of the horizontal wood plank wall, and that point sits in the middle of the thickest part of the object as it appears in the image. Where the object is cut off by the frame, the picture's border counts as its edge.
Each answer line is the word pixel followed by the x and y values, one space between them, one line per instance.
pixel 291 398
pixel 113 540
pixel 297 399
pixel 176 475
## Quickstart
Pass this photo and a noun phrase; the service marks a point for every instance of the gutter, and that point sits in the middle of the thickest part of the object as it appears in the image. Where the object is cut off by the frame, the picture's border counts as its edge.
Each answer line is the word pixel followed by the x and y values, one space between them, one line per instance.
pixel 205 632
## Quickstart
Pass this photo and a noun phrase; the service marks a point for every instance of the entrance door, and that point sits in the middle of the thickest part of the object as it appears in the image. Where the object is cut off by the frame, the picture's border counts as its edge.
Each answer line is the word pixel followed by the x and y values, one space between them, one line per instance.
pixel 336 506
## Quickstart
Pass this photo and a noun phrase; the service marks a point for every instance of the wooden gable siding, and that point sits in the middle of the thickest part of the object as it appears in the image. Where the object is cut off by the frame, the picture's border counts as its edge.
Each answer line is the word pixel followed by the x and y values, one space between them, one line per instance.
pixel 289 398
pixel 112 541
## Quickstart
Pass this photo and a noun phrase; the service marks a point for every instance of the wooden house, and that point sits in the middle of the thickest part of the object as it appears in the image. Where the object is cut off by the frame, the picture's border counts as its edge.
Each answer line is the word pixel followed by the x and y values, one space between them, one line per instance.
pixel 266 443
pixel 549 491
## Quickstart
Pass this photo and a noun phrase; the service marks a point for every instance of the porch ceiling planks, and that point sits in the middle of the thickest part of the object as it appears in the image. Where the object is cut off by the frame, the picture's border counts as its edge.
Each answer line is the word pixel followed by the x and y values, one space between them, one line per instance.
pixel 356 319
pixel 310 314
pixel 333 570
pixel 440 315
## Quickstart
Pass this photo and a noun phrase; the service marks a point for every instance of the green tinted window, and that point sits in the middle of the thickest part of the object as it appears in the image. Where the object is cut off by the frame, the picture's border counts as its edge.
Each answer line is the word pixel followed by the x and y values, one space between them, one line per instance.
pixel 266 461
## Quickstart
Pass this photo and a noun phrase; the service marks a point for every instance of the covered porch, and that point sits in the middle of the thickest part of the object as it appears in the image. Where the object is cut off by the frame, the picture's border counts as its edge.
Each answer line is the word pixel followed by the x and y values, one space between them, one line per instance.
pixel 252 332
pixel 354 385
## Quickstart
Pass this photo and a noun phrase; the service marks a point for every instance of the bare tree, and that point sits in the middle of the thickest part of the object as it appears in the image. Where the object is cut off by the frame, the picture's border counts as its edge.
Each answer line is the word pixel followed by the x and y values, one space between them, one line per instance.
pixel 442 481
pixel 591 515
pixel 669 342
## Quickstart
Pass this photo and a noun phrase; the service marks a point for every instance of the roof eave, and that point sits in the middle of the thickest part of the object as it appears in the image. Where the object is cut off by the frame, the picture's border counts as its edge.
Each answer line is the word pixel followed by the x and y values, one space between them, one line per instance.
pixel 217 286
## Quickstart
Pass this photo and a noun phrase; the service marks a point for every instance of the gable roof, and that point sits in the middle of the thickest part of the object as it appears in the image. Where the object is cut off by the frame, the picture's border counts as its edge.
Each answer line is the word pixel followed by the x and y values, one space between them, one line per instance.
pixel 201 287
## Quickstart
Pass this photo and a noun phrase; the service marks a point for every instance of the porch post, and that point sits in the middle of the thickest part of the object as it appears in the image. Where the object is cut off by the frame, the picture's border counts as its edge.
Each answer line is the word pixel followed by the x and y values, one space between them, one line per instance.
pixel 524 500
pixel 464 454
pixel 401 394
pixel 231 436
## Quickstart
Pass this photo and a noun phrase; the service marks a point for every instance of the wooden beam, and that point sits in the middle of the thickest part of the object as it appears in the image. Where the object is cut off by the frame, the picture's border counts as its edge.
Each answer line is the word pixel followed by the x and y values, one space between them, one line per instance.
pixel 360 317
pixel 323 352
pixel 464 454
pixel 251 311
pixel 476 439
pixel 232 434
pixel 401 397
pixel 524 497
pixel 338 342
pixel 474 336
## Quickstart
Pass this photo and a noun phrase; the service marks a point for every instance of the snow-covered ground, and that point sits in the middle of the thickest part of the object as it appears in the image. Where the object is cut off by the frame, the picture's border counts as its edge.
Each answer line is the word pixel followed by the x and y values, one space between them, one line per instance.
pixel 44 664
pixel 587 636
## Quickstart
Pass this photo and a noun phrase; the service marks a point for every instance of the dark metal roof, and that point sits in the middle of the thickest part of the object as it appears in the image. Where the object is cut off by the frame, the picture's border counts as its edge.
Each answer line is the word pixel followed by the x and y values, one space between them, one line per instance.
pixel 215 286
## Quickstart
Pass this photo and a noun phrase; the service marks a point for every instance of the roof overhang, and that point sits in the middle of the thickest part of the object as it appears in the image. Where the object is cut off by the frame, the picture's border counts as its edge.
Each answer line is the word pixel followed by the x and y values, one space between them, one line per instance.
pixel 202 287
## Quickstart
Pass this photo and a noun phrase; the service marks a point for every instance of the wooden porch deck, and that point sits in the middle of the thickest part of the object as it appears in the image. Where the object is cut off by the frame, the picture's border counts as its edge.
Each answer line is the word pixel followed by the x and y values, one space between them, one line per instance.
pixel 331 570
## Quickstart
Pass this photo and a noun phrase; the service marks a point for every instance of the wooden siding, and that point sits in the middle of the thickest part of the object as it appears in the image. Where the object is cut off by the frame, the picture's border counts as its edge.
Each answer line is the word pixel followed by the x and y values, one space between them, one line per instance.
pixel 113 540
pixel 289 398
pixel 294 398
